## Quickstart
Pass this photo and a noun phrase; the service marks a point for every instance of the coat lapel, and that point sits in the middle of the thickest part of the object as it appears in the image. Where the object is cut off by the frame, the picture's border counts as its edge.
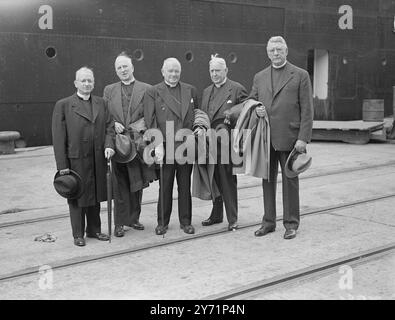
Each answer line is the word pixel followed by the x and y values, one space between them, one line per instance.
pixel 206 97
pixel 116 97
pixel 267 84
pixel 286 76
pixel 80 109
pixel 185 100
pixel 169 101
pixel 138 93
pixel 95 107
pixel 221 97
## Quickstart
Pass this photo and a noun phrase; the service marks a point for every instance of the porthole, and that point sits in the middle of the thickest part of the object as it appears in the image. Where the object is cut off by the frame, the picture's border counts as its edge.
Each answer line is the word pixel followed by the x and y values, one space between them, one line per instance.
pixel 138 54
pixel 232 57
pixel 189 56
pixel 50 52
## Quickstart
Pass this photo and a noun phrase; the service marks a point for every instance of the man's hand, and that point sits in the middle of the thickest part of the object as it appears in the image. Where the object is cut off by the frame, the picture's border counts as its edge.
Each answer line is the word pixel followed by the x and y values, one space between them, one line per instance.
pixel 119 128
pixel 159 153
pixel 261 111
pixel 300 146
pixel 198 131
pixel 108 153
pixel 64 171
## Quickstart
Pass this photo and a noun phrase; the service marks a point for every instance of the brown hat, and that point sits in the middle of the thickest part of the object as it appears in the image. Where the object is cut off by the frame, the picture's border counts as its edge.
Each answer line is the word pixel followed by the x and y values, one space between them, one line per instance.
pixel 125 149
pixel 297 163
pixel 69 185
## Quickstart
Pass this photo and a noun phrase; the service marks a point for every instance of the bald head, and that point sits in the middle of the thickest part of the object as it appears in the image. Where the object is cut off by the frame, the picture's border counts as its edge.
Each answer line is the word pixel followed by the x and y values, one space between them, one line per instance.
pixel 171 71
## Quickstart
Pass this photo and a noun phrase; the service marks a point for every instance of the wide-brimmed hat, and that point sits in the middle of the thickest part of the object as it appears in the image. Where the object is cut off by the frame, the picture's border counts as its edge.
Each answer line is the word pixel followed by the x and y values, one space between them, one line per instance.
pixel 125 149
pixel 69 185
pixel 297 163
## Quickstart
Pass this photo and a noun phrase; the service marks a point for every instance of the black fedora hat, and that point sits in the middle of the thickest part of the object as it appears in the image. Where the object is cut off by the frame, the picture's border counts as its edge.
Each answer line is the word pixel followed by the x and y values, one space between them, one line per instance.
pixel 69 185
pixel 125 148
pixel 297 163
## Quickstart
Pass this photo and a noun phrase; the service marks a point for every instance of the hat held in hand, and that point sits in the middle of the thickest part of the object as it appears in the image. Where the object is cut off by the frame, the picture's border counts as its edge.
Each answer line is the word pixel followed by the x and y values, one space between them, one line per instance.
pixel 297 163
pixel 69 185
pixel 125 149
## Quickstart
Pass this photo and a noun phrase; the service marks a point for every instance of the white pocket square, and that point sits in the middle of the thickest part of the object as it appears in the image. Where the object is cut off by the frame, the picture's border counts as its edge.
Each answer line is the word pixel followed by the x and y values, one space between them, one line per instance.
pixel 229 101
pixel 191 100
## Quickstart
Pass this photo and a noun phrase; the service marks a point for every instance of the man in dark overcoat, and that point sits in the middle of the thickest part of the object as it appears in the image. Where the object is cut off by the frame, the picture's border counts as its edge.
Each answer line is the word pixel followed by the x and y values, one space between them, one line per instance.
pixel 83 133
pixel 218 98
pixel 168 104
pixel 286 94
pixel 125 103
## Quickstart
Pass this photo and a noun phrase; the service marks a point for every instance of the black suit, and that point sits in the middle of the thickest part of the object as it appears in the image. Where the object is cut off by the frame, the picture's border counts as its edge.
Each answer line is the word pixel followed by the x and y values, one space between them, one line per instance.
pixel 160 106
pixel 215 101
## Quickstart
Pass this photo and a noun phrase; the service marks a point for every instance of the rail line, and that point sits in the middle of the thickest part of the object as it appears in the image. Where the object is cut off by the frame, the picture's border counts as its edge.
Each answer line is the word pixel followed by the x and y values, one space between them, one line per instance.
pixel 304 274
pixel 144 203
pixel 93 258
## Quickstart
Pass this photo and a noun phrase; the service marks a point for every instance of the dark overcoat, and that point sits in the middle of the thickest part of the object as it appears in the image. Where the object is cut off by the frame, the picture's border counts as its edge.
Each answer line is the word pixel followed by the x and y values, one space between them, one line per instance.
pixel 140 175
pixel 290 107
pixel 79 140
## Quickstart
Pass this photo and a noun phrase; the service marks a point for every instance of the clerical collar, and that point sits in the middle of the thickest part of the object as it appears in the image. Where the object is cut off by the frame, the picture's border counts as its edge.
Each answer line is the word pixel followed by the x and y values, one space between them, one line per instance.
pixel 221 84
pixel 126 83
pixel 84 97
pixel 171 85
pixel 279 67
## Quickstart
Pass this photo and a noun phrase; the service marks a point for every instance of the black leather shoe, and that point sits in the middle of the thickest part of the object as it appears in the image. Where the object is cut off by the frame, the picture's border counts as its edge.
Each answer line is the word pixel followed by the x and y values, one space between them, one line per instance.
pixel 99 236
pixel 233 226
pixel 210 222
pixel 137 226
pixel 290 234
pixel 159 230
pixel 263 231
pixel 188 228
pixel 79 242
pixel 119 231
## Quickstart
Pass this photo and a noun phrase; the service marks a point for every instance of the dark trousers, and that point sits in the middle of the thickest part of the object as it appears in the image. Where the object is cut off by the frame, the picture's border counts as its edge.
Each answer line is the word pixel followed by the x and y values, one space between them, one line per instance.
pixel 291 214
pixel 77 217
pixel 182 172
pixel 227 185
pixel 127 204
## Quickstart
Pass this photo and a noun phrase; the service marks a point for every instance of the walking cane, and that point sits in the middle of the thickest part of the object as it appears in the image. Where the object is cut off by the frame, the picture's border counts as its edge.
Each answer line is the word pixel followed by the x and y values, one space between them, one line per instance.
pixel 109 195
pixel 162 212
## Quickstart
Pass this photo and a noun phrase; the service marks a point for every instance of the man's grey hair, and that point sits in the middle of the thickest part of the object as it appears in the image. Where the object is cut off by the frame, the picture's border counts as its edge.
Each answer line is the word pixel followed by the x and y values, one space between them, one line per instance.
pixel 277 39
pixel 84 68
pixel 170 60
pixel 218 60
pixel 125 55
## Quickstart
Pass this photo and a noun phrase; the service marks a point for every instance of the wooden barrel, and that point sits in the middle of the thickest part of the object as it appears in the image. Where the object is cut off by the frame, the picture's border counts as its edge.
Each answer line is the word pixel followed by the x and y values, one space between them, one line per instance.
pixel 373 110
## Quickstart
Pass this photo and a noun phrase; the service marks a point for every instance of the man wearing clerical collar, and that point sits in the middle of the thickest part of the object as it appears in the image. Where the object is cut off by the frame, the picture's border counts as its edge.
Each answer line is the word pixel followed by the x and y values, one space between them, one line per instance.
pixel 286 94
pixel 82 134
pixel 169 106
pixel 125 103
pixel 218 98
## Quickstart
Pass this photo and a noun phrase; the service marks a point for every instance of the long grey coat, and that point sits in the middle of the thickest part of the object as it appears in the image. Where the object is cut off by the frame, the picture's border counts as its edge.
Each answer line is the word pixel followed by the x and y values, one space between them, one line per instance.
pixel 79 141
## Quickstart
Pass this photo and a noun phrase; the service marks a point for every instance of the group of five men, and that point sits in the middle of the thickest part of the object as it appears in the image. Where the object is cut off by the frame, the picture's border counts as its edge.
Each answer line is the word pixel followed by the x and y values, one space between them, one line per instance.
pixel 84 127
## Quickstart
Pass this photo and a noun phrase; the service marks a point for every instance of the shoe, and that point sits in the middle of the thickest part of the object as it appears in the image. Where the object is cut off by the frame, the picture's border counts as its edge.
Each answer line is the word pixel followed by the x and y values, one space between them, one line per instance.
pixel 290 234
pixel 79 242
pixel 233 226
pixel 262 231
pixel 99 236
pixel 137 226
pixel 119 231
pixel 159 230
pixel 210 222
pixel 188 228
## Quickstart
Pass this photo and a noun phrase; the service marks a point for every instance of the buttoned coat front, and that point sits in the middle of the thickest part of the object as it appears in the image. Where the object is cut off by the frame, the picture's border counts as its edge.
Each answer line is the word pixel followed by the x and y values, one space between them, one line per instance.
pixel 289 107
pixel 231 94
pixel 159 108
pixel 79 140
